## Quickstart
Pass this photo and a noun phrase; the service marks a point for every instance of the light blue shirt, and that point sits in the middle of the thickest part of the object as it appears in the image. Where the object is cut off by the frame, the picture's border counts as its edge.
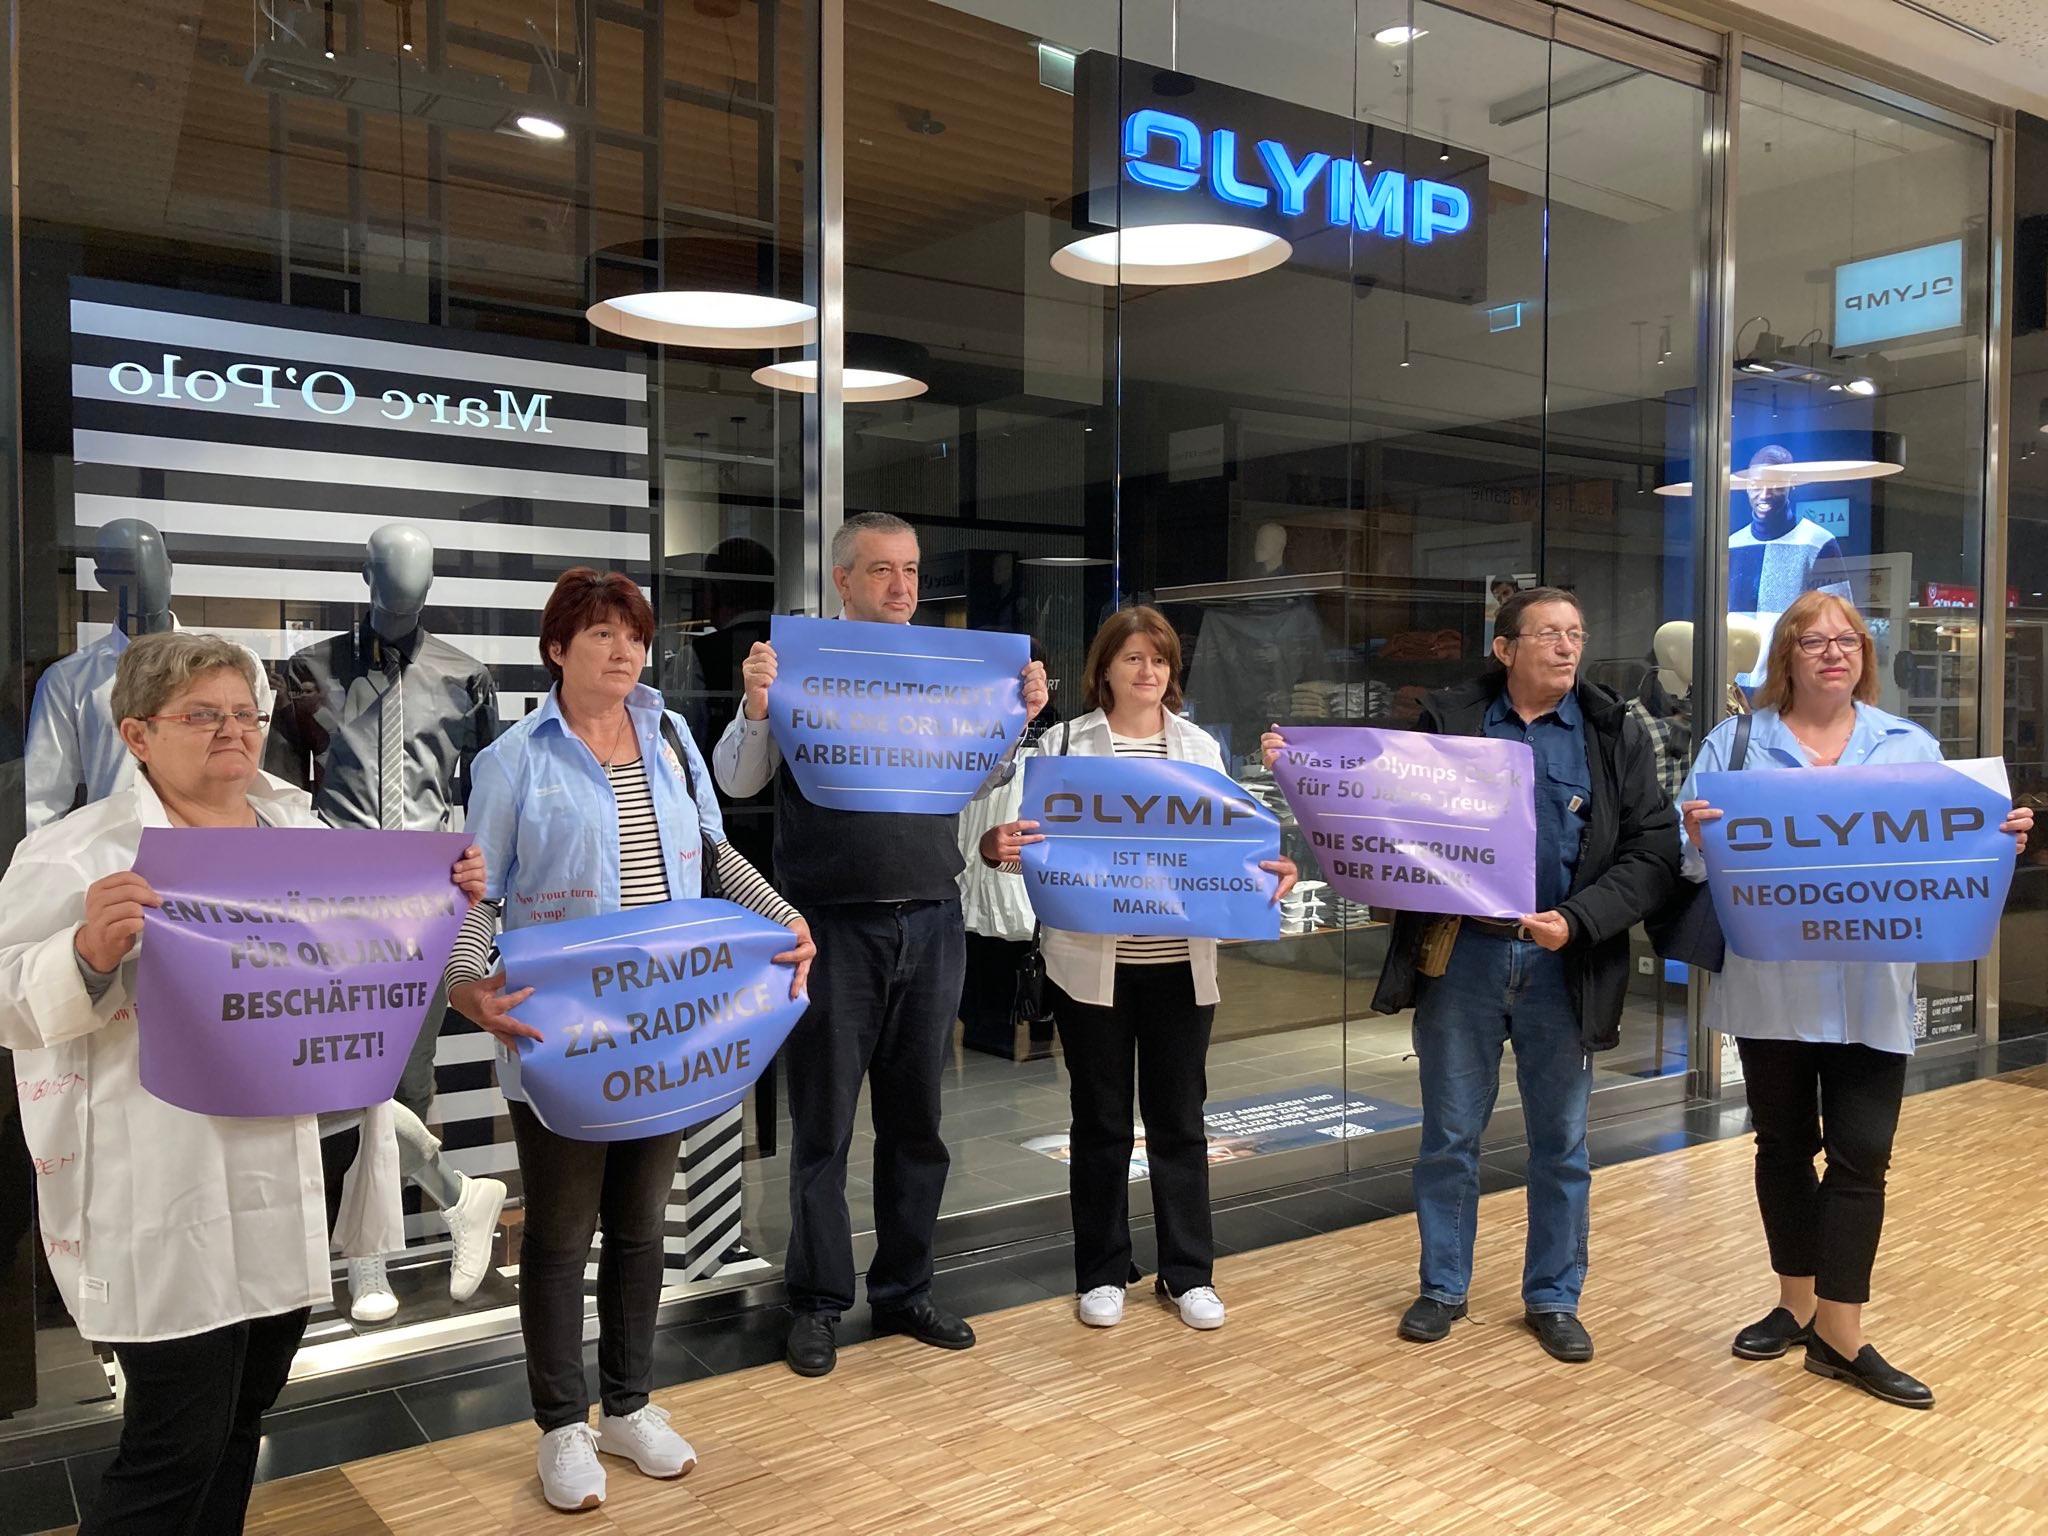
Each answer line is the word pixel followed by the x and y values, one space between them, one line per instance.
pixel 1818 1001
pixel 542 810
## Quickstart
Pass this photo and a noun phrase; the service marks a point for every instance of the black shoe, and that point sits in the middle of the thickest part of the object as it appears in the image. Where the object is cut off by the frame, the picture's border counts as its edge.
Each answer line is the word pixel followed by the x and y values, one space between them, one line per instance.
pixel 1427 1320
pixel 1771 1338
pixel 1868 1371
pixel 927 1324
pixel 1562 1336
pixel 813 1347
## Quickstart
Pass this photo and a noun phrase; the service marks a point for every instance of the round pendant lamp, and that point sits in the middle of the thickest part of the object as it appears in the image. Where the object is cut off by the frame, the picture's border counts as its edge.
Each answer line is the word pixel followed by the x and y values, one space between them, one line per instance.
pixel 708 293
pixel 877 368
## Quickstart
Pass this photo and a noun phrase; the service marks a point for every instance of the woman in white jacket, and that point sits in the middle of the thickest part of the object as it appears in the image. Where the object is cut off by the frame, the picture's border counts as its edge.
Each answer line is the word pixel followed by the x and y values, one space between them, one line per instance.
pixel 1135 1008
pixel 194 1244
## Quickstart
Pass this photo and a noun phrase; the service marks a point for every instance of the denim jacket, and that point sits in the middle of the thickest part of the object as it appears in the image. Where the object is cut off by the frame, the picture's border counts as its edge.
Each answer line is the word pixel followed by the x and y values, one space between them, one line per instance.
pixel 543 812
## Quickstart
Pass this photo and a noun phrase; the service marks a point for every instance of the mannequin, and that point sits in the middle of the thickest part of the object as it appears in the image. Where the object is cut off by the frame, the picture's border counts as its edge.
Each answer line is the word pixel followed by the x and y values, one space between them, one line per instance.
pixel 1269 550
pixel 382 723
pixel 1673 649
pixel 74 752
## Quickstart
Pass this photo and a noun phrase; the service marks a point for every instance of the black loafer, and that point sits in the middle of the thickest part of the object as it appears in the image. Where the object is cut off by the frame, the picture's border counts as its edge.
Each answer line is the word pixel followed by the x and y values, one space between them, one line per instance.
pixel 1771 1338
pixel 1428 1320
pixel 1869 1371
pixel 1562 1336
pixel 813 1345
pixel 927 1324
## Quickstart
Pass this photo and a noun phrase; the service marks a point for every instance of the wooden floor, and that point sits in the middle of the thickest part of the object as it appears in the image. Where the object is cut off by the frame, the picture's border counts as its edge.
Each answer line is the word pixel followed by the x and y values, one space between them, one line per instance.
pixel 1306 1414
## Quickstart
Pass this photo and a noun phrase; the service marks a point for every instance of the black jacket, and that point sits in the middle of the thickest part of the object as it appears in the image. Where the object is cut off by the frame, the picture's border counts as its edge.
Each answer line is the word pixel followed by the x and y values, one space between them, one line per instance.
pixel 1628 861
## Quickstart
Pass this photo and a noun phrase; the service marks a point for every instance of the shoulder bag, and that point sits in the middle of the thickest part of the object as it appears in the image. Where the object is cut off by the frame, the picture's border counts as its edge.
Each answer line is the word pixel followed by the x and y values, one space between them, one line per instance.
pixel 1030 1004
pixel 1687 928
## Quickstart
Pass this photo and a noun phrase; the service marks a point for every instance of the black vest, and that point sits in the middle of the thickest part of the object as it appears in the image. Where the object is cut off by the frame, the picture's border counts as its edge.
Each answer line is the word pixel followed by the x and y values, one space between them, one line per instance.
pixel 827 858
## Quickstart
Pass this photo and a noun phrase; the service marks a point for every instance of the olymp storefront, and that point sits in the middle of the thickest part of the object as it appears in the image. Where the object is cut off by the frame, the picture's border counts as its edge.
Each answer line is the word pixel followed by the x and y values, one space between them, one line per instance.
pixel 1322 326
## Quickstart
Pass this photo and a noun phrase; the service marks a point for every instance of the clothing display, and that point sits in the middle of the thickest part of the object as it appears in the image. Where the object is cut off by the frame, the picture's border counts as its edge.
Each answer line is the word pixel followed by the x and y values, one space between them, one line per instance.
pixel 75 755
pixel 384 732
pixel 1247 659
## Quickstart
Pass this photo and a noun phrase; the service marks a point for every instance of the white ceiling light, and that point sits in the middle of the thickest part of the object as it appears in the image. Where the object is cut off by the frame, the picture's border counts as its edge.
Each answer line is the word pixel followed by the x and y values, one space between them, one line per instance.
pixel 1170 254
pixel 1821 471
pixel 801 376
pixel 533 125
pixel 1396 37
pixel 707 318
pixel 1684 487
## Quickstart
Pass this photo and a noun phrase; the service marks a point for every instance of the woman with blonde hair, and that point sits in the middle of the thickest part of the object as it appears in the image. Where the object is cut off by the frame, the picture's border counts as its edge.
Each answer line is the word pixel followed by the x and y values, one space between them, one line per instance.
pixel 1824 1044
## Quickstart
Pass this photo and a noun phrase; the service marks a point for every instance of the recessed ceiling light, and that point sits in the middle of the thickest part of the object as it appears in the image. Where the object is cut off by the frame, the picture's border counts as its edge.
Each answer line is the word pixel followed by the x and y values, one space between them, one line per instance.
pixel 535 126
pixel 1862 387
pixel 707 318
pixel 857 384
pixel 1170 254
pixel 1396 37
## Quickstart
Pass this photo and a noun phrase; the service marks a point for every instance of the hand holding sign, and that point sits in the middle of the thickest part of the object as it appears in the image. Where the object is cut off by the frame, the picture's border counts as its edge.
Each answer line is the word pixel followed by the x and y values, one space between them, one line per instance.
pixel 114 910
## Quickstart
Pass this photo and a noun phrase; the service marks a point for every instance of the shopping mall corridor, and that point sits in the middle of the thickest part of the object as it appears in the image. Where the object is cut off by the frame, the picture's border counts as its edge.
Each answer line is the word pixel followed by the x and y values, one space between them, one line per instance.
pixel 1305 1414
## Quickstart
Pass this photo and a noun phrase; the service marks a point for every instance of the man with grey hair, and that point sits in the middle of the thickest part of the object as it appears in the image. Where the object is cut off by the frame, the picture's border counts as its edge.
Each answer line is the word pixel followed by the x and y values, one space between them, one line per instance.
pixel 881 893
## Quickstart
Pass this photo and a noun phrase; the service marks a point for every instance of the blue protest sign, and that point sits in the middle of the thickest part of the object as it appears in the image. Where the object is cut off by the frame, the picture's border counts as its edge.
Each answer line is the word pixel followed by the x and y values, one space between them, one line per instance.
pixel 1148 846
pixel 1901 862
pixel 894 717
pixel 656 1018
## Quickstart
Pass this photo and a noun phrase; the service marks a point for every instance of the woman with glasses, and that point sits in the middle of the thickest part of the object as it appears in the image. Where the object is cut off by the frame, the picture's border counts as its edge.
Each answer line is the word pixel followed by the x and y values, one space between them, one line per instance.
pixel 194 1244
pixel 1824 1044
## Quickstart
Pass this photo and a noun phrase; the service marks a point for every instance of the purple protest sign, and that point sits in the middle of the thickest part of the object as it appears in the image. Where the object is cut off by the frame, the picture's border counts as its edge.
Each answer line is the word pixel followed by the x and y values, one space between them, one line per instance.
pixel 289 968
pixel 1414 821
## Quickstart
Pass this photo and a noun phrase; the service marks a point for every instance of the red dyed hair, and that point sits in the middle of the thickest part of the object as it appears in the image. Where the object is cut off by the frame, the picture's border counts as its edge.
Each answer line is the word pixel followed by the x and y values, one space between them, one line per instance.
pixel 584 597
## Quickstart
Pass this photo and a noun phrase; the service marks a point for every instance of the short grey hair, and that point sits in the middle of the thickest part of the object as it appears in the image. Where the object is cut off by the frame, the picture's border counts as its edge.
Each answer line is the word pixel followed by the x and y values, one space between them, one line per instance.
pixel 157 668
pixel 863 522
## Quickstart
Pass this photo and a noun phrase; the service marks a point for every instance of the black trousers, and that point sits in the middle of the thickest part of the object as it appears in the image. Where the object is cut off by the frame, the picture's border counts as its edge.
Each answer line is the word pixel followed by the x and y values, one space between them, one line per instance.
pixel 885 990
pixel 1804 1098
pixel 572 1188
pixel 1158 1034
pixel 190 1428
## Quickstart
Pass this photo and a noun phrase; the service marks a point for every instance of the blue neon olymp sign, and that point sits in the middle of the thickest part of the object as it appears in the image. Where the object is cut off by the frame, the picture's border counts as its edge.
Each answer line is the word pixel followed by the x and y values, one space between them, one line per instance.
pixel 1170 153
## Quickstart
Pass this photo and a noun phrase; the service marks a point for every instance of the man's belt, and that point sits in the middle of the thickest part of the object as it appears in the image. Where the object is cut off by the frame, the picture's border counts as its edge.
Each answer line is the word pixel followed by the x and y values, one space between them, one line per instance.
pixel 1495 928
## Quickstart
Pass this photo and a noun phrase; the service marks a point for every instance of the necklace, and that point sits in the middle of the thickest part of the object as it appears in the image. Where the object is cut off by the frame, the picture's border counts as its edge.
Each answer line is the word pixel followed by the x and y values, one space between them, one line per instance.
pixel 612 758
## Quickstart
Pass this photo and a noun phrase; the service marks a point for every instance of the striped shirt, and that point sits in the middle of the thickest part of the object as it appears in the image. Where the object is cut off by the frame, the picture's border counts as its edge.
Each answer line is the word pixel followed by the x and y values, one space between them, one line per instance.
pixel 1146 951
pixel 642 877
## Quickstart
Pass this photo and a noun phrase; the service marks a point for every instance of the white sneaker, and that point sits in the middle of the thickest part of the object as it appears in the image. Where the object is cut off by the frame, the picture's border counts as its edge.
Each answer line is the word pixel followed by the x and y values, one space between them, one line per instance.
pixel 644 1438
pixel 570 1475
pixel 473 1223
pixel 1199 1305
pixel 1102 1307
pixel 369 1292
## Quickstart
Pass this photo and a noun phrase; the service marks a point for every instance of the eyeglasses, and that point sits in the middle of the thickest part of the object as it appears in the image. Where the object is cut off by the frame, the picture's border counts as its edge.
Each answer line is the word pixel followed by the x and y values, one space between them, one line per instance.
pixel 211 720
pixel 1549 635
pixel 1816 645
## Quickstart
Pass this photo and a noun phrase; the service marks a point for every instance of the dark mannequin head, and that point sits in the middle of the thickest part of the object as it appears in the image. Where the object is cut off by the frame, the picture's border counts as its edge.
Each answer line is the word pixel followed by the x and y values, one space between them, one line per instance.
pixel 133 564
pixel 1770 498
pixel 399 569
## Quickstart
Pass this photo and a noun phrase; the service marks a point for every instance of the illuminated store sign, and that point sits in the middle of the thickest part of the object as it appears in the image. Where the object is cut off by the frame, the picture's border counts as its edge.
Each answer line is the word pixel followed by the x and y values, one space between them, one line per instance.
pixel 1353 199
pixel 1916 293
pixel 1372 202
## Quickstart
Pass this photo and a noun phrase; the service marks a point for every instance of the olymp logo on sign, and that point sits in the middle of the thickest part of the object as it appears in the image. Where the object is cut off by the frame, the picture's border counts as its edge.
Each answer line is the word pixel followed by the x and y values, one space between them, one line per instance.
pixel 1911 293
pixel 1340 189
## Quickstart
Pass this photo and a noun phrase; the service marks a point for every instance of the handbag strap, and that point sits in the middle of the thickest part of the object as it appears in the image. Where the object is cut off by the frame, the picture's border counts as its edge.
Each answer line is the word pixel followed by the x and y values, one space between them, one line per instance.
pixel 1741 753
pixel 1037 928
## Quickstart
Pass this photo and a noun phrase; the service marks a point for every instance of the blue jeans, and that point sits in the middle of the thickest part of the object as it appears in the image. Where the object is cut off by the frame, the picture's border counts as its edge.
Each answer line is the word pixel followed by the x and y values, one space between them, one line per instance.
pixel 1495 990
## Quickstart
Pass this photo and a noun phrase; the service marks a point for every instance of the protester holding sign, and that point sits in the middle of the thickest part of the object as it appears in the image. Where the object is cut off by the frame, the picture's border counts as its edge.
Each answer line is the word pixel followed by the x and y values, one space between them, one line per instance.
pixel 194 1244
pixel 1824 1044
pixel 596 801
pixel 1135 1007
pixel 881 887
pixel 1552 982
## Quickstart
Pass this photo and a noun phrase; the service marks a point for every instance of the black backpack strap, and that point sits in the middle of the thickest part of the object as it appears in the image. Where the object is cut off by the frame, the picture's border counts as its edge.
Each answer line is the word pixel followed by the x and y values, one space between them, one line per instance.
pixel 1741 753
pixel 708 883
